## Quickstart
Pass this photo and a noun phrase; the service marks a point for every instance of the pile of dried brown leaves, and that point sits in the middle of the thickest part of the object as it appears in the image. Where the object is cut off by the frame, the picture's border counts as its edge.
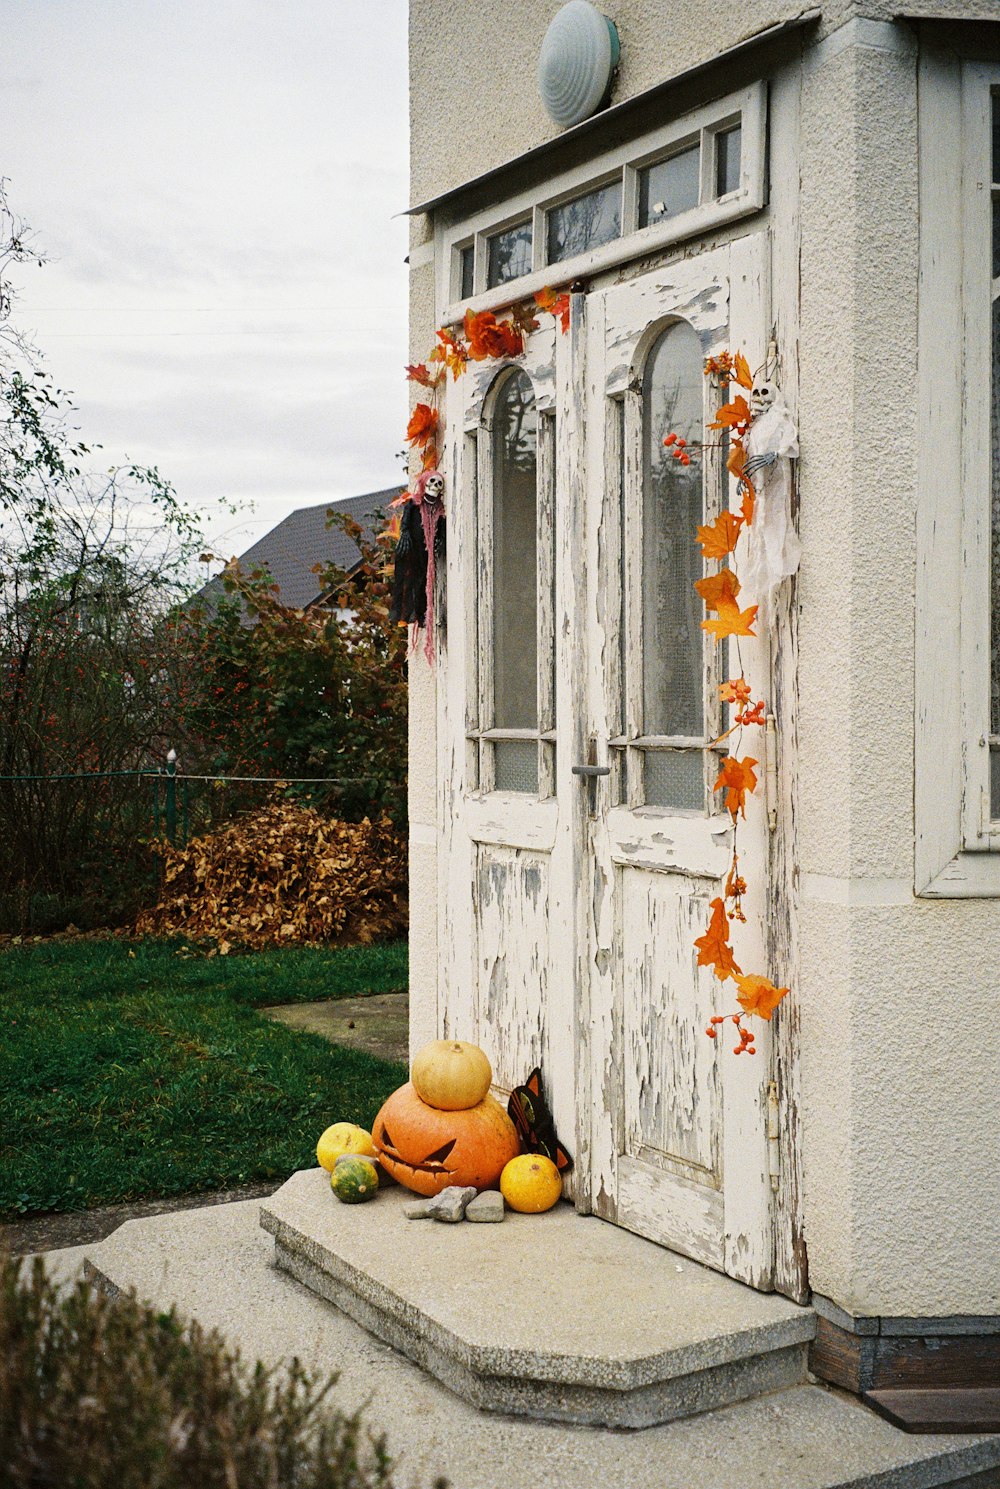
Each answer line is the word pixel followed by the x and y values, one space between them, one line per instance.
pixel 281 877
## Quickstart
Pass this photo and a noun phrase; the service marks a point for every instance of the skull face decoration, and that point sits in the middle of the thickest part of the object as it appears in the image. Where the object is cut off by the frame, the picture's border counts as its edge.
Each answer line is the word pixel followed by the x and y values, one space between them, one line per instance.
pixel 421 543
pixel 433 488
pixel 762 395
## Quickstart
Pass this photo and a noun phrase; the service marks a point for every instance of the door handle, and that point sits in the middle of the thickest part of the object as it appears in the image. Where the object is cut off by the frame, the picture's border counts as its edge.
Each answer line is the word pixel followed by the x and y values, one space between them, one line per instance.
pixel 590 771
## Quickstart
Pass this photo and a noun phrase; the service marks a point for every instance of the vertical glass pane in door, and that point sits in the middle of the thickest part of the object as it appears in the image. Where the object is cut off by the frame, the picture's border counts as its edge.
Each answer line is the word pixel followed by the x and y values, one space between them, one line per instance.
pixel 515 567
pixel 672 660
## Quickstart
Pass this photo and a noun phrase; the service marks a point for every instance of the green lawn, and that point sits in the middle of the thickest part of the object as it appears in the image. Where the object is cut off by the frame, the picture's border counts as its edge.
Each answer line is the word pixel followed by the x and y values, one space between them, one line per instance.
pixel 139 1069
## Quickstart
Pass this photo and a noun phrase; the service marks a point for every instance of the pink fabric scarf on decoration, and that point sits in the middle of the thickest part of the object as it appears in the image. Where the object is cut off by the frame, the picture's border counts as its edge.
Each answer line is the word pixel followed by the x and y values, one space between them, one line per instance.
pixel 430 515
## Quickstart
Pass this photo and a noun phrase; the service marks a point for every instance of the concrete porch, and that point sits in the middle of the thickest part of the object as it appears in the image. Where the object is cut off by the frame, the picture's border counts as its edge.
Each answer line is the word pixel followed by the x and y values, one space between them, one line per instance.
pixel 557 1316
pixel 218 1265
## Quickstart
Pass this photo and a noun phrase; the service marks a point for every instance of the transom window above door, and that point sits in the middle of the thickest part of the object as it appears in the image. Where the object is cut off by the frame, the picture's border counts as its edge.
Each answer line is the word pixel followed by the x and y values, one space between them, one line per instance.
pixel 695 173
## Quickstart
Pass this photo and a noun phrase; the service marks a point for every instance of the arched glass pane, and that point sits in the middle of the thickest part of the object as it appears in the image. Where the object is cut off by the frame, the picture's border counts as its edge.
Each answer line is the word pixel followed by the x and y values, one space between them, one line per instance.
pixel 515 556
pixel 672 666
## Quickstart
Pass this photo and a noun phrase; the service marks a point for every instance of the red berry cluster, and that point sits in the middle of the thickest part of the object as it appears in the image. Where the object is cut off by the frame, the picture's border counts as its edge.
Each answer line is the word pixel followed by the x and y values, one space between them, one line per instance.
pixel 679 451
pixel 746 1035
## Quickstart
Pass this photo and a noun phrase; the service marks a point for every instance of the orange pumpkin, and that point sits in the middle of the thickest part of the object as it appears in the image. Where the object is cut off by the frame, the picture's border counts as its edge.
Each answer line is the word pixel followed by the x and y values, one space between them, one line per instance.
pixel 426 1149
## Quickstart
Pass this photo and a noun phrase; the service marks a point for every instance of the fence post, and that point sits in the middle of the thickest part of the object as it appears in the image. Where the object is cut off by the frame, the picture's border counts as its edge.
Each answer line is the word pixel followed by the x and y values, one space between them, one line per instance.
pixel 171 794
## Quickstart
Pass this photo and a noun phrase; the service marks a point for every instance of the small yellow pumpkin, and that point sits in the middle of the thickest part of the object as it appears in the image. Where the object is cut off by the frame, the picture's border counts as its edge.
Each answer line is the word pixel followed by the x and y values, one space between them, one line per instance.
pixel 531 1183
pixel 343 1137
pixel 451 1075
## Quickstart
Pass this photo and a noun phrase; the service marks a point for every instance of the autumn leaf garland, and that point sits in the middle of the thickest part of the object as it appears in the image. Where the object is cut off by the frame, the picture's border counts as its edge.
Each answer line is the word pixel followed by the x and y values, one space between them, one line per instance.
pixel 482 338
pixel 737 778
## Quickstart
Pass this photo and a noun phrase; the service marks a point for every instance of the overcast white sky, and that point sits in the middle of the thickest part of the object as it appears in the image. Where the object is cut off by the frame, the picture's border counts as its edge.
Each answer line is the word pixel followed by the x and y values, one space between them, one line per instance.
pixel 215 182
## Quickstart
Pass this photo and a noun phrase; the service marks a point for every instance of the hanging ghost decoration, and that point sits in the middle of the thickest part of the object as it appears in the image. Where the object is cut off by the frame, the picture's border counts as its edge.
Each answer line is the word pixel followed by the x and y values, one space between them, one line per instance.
pixel 771 444
pixel 420 546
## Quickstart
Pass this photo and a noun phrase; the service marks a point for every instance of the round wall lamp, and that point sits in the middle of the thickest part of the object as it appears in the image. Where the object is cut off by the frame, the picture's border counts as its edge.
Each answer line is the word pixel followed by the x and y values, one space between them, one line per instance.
pixel 579 54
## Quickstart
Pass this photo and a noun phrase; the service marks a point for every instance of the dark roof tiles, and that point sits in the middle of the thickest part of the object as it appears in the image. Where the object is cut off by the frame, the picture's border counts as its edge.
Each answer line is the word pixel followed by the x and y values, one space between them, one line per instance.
pixel 290 550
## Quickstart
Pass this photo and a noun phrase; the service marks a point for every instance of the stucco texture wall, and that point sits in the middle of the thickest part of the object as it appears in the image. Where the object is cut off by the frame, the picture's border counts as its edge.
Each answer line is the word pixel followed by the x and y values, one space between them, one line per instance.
pixel 899 1049
pixel 473 99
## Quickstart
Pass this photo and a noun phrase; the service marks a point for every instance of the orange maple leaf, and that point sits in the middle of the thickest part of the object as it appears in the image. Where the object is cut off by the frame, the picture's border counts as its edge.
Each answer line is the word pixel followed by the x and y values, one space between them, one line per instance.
pixel 451 352
pixel 522 318
pixel 430 459
pixel 732 621
pixel 758 994
pixel 732 415
pixel 749 502
pixel 719 539
pixel 736 690
pixel 737 777
pixel 423 424
pixel 718 589
pixel 714 949
pixel 422 374
pixel 741 371
pixel 557 305
pixel 490 338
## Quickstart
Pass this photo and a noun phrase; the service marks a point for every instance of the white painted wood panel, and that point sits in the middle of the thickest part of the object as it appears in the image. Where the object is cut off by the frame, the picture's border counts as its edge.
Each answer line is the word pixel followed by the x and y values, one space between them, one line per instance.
pixel 512 960
pixel 672 1110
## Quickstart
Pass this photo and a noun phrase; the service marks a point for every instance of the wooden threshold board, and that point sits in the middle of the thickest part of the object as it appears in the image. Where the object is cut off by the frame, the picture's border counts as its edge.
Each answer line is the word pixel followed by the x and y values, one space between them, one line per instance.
pixel 945 1409
pixel 923 1375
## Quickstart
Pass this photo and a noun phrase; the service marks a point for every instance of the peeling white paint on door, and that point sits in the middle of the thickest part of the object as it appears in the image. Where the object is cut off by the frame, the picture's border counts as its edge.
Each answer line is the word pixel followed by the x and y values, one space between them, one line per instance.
pixel 567 920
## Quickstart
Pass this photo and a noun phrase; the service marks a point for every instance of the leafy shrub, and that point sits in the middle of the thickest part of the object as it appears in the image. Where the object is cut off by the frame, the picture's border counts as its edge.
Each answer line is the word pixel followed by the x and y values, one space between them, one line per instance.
pixel 104 1393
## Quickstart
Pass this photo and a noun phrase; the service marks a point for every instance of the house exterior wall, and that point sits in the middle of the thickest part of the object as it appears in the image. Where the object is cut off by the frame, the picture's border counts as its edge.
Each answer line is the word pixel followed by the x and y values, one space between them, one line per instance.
pixel 899 1053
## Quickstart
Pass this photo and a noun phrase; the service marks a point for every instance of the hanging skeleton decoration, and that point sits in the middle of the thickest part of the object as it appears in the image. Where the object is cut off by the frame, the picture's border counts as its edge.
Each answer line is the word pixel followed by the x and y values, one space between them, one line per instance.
pixel 771 445
pixel 420 546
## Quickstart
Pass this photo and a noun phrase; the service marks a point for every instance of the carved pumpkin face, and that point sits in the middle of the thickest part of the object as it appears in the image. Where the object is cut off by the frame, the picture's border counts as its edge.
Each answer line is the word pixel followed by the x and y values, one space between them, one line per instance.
pixel 425 1149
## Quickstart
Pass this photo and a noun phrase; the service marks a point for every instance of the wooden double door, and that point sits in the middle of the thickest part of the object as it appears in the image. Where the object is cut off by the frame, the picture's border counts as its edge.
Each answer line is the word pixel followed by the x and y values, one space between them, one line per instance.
pixel 579 703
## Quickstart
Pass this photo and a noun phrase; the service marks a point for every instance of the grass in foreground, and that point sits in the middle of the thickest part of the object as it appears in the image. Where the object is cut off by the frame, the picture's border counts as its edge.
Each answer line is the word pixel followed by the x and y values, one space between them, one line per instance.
pixel 126 1076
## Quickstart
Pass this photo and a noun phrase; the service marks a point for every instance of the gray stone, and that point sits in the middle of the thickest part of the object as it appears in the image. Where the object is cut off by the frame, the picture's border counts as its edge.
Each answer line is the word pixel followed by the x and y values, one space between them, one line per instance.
pixel 486 1208
pixel 417 1209
pixel 215 1264
pixel 449 1205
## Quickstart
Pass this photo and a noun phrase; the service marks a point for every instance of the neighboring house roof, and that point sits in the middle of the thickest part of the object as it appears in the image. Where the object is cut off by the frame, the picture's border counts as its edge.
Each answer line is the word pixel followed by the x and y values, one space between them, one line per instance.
pixel 290 550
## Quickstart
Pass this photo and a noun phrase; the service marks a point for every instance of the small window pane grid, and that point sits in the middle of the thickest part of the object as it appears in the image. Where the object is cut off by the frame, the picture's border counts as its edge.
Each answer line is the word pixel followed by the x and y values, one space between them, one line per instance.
pixel 515 745
pixel 670 187
pixel 466 270
pixel 705 167
pixel 508 254
pixel 995 471
pixel 585 222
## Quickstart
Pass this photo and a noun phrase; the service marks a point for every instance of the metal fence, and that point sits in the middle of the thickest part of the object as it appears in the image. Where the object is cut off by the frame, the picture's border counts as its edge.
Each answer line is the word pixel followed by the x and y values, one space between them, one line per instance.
pixel 181 804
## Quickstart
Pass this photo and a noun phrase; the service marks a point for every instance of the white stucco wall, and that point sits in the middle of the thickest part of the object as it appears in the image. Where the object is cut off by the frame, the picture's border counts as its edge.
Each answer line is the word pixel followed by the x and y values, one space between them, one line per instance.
pixel 900 1058
pixel 899 1053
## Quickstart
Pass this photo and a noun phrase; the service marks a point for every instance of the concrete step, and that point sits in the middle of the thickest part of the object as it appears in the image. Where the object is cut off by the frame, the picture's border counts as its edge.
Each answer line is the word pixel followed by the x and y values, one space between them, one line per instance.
pixel 216 1266
pixel 558 1316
